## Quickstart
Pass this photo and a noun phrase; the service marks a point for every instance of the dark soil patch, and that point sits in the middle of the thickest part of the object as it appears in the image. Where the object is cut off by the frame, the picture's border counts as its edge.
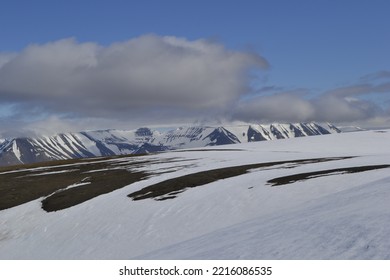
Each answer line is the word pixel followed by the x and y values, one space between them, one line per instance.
pixel 310 175
pixel 169 188
pixel 100 183
pixel 61 164
pixel 29 182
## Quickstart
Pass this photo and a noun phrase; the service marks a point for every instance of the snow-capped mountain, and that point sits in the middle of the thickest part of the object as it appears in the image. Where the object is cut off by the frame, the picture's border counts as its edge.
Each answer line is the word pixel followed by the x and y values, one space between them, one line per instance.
pixel 73 145
pixel 202 136
pixel 144 140
pixel 192 137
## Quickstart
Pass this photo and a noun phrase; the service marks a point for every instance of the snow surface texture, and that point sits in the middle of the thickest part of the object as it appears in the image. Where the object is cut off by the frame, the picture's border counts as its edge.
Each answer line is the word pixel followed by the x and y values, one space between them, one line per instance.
pixel 340 216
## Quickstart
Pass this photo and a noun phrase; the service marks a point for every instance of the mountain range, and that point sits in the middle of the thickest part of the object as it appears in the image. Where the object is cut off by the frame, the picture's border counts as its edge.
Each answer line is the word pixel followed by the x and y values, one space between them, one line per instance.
pixel 24 150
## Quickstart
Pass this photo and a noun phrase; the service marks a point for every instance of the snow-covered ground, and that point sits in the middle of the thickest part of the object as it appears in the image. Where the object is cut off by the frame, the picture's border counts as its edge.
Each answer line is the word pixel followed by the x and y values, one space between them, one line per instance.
pixel 339 216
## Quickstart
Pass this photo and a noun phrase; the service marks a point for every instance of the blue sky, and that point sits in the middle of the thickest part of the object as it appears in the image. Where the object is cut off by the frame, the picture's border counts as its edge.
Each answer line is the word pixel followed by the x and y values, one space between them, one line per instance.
pixel 309 49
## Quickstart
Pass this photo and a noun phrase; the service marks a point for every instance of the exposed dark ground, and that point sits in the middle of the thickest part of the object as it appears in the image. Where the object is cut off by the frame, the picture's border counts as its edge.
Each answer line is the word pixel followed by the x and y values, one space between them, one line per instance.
pixel 309 175
pixel 24 183
pixel 170 188
pixel 63 184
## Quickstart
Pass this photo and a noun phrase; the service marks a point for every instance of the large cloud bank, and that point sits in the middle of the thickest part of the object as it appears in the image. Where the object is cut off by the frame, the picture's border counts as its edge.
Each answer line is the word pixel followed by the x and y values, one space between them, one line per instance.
pixel 68 86
pixel 145 73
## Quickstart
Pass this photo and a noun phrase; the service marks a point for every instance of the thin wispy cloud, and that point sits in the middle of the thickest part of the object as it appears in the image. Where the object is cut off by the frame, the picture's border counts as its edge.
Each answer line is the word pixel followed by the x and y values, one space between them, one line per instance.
pixel 376 76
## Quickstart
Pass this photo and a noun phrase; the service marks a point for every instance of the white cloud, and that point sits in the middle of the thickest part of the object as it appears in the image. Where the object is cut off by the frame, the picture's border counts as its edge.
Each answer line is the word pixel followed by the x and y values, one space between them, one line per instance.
pixel 285 107
pixel 5 58
pixel 142 74
pixel 354 104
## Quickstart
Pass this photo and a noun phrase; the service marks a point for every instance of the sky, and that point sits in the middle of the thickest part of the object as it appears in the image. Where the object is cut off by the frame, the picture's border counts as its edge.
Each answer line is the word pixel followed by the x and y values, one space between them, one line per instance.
pixel 84 65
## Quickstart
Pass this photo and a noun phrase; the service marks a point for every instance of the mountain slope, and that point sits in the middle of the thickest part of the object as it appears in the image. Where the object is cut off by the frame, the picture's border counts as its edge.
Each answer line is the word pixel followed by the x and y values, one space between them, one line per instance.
pixel 143 140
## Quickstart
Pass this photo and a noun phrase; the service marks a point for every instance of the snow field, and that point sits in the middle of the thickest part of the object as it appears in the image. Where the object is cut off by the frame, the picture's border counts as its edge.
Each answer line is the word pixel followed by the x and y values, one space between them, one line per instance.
pixel 342 216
